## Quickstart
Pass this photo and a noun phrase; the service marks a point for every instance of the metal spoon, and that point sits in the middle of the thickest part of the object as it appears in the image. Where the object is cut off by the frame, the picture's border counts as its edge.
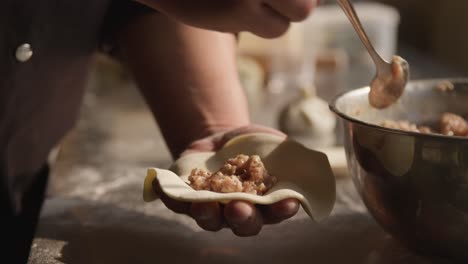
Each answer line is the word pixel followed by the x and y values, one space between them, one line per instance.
pixel 391 78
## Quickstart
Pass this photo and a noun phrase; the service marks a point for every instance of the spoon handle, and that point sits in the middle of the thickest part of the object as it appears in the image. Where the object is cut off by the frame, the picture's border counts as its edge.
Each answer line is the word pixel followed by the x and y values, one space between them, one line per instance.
pixel 350 12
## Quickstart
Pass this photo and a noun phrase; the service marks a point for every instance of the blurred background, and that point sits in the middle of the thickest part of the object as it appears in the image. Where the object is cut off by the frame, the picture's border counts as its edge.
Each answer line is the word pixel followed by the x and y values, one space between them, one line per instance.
pixel 432 26
pixel 436 28
pixel 324 55
pixel 290 80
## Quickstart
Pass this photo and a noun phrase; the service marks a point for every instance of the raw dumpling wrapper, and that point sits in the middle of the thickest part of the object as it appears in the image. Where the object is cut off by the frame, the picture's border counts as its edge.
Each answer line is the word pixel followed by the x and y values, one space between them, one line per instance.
pixel 302 173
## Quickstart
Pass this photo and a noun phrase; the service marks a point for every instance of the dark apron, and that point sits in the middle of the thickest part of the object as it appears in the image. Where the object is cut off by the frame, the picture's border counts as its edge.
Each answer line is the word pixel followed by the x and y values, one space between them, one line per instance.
pixel 40 97
pixel 18 229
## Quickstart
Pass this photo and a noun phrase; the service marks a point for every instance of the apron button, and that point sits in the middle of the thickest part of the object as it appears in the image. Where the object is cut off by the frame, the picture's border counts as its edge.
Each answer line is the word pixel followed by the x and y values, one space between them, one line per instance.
pixel 24 52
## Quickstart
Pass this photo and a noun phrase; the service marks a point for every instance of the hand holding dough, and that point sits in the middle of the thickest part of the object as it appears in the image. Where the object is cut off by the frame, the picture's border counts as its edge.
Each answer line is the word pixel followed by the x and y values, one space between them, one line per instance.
pixel 302 174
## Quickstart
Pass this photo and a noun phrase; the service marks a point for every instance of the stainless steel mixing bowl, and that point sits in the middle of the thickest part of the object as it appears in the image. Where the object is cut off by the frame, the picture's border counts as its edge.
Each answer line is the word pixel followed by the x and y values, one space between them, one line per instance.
pixel 414 185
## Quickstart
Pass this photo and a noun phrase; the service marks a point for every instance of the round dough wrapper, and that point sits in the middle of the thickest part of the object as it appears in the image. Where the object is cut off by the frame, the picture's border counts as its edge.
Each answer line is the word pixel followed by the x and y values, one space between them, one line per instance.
pixel 302 173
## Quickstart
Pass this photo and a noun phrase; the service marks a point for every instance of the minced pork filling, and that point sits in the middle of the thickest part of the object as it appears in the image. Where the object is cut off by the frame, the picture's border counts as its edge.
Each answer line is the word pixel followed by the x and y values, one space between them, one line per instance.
pixel 449 124
pixel 239 174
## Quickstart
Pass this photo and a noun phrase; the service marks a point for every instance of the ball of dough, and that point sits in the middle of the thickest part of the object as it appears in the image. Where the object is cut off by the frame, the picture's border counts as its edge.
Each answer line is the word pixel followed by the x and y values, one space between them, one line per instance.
pixel 309 120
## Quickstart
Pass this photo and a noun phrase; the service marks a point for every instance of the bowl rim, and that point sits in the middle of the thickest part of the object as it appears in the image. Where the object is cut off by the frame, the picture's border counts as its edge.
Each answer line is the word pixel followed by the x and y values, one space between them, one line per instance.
pixel 365 89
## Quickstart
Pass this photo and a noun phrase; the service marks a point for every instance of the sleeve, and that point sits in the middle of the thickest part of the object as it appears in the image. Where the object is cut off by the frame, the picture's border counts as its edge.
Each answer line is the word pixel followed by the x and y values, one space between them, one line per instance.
pixel 119 13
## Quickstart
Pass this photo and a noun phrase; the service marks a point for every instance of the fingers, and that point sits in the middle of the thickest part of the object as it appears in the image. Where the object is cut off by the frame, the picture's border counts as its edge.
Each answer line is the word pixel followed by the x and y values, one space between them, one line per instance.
pixel 176 206
pixel 243 218
pixel 207 215
pixel 280 211
pixel 269 23
pixel 217 140
pixel 246 130
pixel 265 18
pixel 202 145
pixel 294 10
pixel 275 16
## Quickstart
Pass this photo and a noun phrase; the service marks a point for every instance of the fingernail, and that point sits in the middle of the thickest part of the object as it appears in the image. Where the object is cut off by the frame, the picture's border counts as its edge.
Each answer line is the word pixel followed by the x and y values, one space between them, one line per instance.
pixel 291 207
pixel 284 209
pixel 240 213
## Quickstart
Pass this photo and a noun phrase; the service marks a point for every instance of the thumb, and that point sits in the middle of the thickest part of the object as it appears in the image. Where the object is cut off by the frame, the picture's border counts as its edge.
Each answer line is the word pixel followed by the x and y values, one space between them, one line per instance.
pixel 248 130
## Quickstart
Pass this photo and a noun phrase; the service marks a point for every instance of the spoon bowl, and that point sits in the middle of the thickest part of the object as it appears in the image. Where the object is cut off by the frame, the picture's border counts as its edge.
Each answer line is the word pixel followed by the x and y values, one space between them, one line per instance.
pixel 391 78
pixel 389 84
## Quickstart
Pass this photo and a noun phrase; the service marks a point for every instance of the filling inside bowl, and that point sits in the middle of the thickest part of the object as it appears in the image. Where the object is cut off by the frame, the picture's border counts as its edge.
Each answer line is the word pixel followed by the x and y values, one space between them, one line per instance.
pixel 239 174
pixel 449 124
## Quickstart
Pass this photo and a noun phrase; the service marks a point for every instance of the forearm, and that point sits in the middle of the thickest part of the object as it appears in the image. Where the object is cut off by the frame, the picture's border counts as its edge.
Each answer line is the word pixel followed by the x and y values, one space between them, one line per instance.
pixel 187 75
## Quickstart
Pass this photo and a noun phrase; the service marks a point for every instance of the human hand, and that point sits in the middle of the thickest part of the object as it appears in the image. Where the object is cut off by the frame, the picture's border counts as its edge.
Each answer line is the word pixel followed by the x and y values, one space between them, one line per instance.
pixel 243 218
pixel 265 18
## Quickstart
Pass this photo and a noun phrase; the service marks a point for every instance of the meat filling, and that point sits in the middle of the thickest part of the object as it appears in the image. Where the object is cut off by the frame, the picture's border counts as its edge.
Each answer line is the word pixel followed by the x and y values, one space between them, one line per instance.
pixel 240 174
pixel 449 124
